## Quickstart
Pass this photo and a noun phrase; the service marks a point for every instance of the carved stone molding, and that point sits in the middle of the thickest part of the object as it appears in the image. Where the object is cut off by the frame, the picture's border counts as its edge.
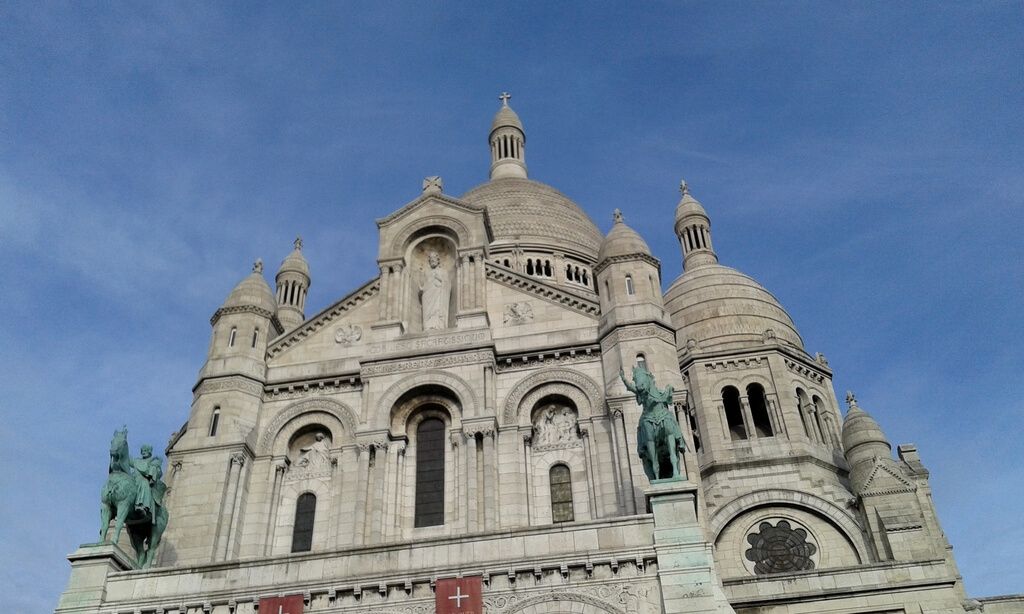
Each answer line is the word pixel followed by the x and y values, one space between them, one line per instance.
pixel 551 376
pixel 238 458
pixel 805 371
pixel 223 311
pixel 649 259
pixel 638 332
pixel 463 391
pixel 734 364
pixel 549 358
pixel 233 382
pixel 435 362
pixel 298 390
pixel 339 410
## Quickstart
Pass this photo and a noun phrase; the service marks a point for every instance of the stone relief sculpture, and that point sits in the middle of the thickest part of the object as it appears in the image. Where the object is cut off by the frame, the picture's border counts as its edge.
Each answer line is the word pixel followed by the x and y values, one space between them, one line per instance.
pixel 315 455
pixel 133 497
pixel 555 427
pixel 435 294
pixel 348 334
pixel 518 313
pixel 659 439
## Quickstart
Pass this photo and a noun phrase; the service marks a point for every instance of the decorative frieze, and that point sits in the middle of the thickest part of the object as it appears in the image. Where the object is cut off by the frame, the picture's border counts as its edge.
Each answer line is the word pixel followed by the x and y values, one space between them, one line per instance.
pixel 805 371
pixel 435 362
pixel 429 342
pixel 735 364
pixel 233 382
pixel 638 332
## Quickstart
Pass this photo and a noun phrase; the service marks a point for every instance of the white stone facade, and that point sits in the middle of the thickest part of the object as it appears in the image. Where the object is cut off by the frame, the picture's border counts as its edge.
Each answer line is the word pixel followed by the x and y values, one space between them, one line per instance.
pixel 543 313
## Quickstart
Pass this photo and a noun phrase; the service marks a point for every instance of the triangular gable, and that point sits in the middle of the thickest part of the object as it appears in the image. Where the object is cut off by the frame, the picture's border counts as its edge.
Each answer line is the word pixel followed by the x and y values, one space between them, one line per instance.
pixel 411 206
pixel 548 292
pixel 324 318
pixel 886 479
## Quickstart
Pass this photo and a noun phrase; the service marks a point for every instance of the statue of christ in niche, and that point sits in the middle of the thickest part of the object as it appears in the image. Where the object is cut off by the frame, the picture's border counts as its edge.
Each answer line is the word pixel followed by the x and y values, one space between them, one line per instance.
pixel 435 293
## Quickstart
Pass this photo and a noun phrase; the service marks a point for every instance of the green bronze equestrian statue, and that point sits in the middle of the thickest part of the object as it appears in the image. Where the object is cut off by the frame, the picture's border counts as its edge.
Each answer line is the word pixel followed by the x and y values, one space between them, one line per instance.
pixel 658 437
pixel 133 497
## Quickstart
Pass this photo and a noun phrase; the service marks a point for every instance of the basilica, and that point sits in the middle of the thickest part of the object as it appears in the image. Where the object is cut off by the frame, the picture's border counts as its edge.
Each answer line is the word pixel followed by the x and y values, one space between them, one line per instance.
pixel 459 434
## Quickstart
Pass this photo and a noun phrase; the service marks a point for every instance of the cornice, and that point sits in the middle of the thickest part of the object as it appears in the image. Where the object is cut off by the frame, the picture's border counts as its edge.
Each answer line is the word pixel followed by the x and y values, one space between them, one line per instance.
pixel 263 313
pixel 607 262
pixel 403 365
pixel 549 357
pixel 411 205
pixel 511 279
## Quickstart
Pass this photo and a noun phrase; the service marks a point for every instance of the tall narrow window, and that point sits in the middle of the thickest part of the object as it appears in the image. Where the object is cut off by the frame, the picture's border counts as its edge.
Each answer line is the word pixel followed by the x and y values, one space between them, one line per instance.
pixel 803 405
pixel 547 268
pixel 214 420
pixel 822 417
pixel 231 337
pixel 629 285
pixel 733 413
pixel 759 411
pixel 561 494
pixel 430 473
pixel 305 514
pixel 694 430
pixel 255 337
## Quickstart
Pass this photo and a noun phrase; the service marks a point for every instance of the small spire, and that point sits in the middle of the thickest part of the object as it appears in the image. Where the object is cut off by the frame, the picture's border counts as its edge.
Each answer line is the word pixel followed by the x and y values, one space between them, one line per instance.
pixel 851 399
pixel 298 243
pixel 683 188
pixel 504 98
pixel 617 216
pixel 257 267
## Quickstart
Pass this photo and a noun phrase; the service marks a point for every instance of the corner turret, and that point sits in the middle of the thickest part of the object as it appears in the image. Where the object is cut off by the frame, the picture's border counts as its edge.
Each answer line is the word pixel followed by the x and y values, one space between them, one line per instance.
pixel 508 143
pixel 693 229
pixel 293 283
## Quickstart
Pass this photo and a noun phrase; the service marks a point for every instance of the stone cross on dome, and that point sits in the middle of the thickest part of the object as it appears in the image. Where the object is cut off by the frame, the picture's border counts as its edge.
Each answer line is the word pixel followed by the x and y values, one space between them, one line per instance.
pixel 851 399
pixel 257 267
pixel 504 98
pixel 683 188
pixel 617 216
pixel 298 243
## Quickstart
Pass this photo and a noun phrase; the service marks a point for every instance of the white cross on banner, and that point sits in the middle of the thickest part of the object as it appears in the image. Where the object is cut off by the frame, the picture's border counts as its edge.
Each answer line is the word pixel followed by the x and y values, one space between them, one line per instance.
pixel 459 596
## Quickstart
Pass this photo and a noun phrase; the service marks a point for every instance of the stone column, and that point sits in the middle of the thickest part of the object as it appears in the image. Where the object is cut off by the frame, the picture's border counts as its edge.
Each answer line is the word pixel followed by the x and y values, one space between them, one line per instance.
pixel 527 436
pixel 229 505
pixel 748 418
pixel 490 481
pixel 398 308
pixel 385 287
pixel 376 492
pixel 617 463
pixel 471 481
pixel 593 484
pixel 452 505
pixel 359 496
pixel 280 468
pixel 346 486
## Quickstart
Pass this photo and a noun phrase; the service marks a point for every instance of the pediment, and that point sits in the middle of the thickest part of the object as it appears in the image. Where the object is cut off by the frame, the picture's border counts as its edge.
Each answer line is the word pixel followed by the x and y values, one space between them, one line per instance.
pixel 543 290
pixel 465 223
pixel 886 479
pixel 319 323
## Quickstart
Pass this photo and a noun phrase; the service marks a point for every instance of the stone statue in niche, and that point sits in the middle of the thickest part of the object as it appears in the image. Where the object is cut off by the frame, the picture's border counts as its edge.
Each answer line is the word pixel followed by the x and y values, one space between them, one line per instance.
pixel 556 426
pixel 316 455
pixel 658 436
pixel 435 294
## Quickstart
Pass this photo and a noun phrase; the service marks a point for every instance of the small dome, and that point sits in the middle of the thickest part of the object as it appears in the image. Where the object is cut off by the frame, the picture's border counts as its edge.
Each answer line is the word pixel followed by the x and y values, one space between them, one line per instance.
pixel 253 291
pixel 295 260
pixel 622 241
pixel 529 212
pixel 688 205
pixel 506 117
pixel 721 308
pixel 860 429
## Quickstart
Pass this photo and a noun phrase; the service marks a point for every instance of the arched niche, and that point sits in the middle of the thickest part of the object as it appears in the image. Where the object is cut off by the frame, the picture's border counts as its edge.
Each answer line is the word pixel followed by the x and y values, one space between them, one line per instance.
pixel 432 380
pixel 432 288
pixel 580 389
pixel 336 418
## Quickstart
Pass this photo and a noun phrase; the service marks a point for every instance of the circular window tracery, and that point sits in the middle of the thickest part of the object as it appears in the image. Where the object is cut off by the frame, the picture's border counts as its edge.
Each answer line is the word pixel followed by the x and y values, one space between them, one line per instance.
pixel 780 548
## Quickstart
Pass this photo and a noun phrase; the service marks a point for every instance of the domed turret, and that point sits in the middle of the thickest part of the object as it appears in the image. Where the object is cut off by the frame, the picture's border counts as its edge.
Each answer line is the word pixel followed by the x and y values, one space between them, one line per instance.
pixel 622 241
pixel 242 327
pixel 693 228
pixel 863 442
pixel 293 283
pixel 253 291
pixel 508 143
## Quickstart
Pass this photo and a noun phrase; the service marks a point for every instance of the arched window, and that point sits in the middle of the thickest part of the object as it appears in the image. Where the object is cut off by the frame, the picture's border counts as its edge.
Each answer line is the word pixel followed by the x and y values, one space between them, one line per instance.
pixel 255 337
pixel 214 420
pixel 231 337
pixel 629 285
pixel 586 278
pixel 561 494
pixel 805 418
pixel 733 413
pixel 641 360
pixel 305 514
pixel 759 411
pixel 822 417
pixel 430 473
pixel 694 429
pixel 547 268
pixel 529 266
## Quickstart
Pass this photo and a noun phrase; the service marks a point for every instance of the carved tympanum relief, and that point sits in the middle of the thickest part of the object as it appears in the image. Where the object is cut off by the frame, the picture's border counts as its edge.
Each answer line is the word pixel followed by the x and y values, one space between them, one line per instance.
pixel 554 426
pixel 348 334
pixel 518 313
pixel 310 455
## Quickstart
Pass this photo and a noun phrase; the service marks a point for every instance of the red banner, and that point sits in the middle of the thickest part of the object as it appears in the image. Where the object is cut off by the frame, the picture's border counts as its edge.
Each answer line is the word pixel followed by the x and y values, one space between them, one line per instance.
pixel 457 596
pixel 292 604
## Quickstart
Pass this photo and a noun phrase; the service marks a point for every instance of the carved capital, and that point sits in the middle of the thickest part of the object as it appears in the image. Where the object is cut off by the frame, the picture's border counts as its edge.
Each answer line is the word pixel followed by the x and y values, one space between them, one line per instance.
pixel 238 458
pixel 281 466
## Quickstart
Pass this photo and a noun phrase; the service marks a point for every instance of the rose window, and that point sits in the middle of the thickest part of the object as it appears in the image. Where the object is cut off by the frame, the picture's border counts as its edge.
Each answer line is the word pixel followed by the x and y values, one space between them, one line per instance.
pixel 780 548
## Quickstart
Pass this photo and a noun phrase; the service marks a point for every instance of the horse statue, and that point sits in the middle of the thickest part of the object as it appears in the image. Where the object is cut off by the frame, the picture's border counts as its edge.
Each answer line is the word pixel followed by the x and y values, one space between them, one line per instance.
pixel 659 439
pixel 133 497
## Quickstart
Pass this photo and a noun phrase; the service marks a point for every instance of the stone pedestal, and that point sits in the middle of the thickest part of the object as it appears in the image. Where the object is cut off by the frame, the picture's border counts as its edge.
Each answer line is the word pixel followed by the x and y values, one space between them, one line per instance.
pixel 388 329
pixel 472 318
pixel 685 561
pixel 90 566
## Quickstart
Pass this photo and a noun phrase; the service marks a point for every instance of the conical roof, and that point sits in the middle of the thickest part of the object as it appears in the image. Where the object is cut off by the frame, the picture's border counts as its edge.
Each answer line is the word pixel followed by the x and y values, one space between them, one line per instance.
pixel 859 428
pixel 688 205
pixel 506 117
pixel 253 291
pixel 622 241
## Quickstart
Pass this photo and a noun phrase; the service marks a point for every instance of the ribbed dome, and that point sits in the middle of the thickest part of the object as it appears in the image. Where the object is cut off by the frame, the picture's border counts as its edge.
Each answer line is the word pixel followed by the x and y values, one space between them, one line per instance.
pixel 506 117
pixel 860 429
pixel 526 211
pixel 622 241
pixel 295 261
pixel 253 291
pixel 721 308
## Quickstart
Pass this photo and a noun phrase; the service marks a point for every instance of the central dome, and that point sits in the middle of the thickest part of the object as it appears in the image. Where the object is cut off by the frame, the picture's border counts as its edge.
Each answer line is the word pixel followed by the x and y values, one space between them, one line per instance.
pixel 526 212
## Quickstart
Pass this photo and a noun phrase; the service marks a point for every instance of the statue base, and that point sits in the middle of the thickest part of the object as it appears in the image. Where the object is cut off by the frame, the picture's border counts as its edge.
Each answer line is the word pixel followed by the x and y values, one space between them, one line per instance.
pixel 389 329
pixel 90 566
pixel 686 565
pixel 472 318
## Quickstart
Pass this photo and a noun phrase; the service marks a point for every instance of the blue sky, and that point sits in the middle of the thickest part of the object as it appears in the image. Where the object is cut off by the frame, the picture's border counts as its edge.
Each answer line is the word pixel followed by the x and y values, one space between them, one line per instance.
pixel 861 160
